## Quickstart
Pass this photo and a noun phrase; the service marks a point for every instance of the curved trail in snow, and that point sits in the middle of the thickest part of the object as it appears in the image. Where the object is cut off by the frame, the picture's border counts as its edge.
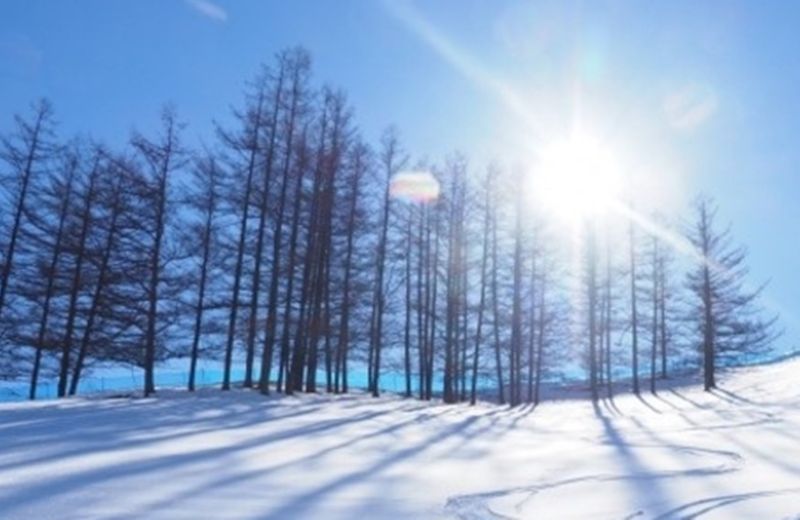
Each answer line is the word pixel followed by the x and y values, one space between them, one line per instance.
pixel 511 503
pixel 699 508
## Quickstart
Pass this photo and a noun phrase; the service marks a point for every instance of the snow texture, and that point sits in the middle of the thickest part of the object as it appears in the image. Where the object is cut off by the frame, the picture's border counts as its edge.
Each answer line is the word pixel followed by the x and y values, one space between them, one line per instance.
pixel 733 453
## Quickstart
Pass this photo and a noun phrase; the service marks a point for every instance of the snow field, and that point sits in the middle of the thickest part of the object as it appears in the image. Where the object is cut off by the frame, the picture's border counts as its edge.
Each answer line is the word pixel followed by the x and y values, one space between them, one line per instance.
pixel 683 453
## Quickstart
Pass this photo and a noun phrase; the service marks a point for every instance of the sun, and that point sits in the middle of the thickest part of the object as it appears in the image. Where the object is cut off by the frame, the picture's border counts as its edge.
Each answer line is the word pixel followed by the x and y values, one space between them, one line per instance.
pixel 575 178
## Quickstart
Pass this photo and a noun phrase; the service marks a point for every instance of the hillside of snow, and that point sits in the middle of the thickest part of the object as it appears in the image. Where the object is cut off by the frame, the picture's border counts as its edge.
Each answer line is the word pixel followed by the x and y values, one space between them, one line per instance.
pixel 733 453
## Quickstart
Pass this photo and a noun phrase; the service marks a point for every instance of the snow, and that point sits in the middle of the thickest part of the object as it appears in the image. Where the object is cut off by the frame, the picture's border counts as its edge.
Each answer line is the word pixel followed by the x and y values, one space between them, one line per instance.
pixel 734 453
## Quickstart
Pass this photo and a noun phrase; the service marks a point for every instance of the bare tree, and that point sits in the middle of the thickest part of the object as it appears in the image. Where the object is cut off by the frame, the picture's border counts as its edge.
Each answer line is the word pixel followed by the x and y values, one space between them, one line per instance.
pixel 161 158
pixel 515 368
pixel 725 314
pixel 275 93
pixel 204 200
pixel 487 222
pixel 359 164
pixel 79 250
pixel 109 189
pixel 62 190
pixel 634 324
pixel 592 304
pixel 284 359
pixel 26 153
pixel 298 63
pixel 392 161
pixel 496 301
pixel 245 146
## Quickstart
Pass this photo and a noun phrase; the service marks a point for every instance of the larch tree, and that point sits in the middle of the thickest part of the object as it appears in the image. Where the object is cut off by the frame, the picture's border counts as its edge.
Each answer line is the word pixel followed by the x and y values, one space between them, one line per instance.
pixel 726 317
pixel 159 160
pixel 26 154
pixel 78 249
pixel 60 191
pixel 634 310
pixel 106 224
pixel 274 94
pixel 204 200
pixel 244 149
pixel 392 159
pixel 297 64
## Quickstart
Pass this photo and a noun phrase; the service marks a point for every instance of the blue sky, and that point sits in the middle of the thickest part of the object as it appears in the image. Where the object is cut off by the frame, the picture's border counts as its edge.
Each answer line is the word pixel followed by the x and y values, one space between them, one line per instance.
pixel 692 96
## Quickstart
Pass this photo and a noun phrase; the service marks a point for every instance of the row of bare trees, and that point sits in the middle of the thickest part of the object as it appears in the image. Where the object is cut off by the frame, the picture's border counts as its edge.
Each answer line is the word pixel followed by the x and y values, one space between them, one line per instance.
pixel 281 249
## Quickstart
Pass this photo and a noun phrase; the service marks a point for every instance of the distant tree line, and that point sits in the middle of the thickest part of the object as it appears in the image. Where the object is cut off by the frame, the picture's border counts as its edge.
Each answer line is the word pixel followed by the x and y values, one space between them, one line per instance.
pixel 280 247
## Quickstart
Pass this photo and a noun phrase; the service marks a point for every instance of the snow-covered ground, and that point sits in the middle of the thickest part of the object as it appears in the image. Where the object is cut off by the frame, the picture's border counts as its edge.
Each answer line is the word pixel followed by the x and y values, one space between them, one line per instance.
pixel 734 453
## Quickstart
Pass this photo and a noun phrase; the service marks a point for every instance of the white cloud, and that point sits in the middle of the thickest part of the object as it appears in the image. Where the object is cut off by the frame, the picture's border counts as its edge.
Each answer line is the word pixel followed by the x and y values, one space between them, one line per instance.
pixel 209 9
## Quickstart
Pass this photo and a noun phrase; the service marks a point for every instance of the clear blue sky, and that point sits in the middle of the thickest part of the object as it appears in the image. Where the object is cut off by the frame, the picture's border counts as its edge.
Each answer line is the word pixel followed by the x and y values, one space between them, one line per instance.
pixel 693 95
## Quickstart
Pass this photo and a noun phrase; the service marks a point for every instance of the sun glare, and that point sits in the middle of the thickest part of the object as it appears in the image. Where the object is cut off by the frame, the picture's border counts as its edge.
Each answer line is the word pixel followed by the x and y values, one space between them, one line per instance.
pixel 575 178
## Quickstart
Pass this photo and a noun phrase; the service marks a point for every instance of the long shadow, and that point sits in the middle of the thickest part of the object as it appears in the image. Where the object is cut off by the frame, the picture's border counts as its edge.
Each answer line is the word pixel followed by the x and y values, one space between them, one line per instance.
pixel 643 487
pixel 103 433
pixel 611 406
pixel 491 419
pixel 519 413
pixel 784 464
pixel 75 480
pixel 685 511
pixel 754 412
pixel 227 481
pixel 112 425
pixel 658 441
pixel 640 478
pixel 644 401
pixel 106 433
pixel 731 397
pixel 762 417
pixel 299 506
pixel 700 507
pixel 687 400
pixel 294 508
pixel 667 402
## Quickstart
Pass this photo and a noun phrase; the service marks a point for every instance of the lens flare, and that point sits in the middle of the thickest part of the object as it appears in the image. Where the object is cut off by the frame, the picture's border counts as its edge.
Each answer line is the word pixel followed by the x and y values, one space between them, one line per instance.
pixel 414 186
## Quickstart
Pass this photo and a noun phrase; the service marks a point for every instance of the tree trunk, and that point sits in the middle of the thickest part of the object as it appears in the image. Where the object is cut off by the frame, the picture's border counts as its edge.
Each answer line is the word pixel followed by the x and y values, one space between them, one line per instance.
pixel 283 368
pixel 496 309
pixel 654 327
pixel 663 310
pixel 272 299
pixel 97 297
pixel 237 272
pixel 532 319
pixel 25 179
pixel 201 292
pixel 482 302
pixel 262 220
pixel 407 330
pixel 86 217
pixel 516 311
pixel 540 338
pixel 344 323
pixel 607 320
pixel 422 307
pixel 434 314
pixel 592 282
pixel 709 380
pixel 51 278
pixel 634 315
pixel 376 323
